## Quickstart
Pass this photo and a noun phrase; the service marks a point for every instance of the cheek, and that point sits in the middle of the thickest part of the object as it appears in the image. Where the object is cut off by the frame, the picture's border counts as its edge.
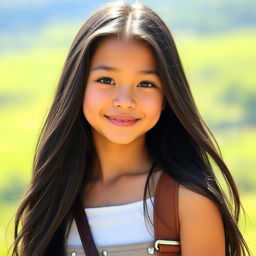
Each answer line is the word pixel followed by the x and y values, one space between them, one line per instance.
pixel 92 101
pixel 153 105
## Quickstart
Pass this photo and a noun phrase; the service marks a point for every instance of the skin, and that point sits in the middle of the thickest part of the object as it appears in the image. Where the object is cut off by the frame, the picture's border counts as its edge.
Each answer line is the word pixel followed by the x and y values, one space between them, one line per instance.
pixel 121 92
pixel 201 226
pixel 122 152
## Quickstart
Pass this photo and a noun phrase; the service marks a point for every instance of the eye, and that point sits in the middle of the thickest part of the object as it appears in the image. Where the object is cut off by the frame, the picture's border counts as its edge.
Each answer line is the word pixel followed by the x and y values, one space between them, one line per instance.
pixel 147 84
pixel 105 80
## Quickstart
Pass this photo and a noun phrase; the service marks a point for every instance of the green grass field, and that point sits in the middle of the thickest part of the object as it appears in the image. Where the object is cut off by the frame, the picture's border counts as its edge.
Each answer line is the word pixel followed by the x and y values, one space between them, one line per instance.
pixel 216 66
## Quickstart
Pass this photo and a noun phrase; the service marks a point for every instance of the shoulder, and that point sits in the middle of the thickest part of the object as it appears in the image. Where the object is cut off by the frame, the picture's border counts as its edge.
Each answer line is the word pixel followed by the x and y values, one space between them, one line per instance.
pixel 201 226
pixel 195 201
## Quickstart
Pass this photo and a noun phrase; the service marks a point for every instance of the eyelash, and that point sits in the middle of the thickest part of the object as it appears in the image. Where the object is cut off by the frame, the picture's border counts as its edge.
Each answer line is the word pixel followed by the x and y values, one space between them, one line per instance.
pixel 99 81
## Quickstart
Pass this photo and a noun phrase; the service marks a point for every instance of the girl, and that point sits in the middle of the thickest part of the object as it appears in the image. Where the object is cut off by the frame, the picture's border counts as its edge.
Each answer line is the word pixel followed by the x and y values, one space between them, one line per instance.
pixel 122 115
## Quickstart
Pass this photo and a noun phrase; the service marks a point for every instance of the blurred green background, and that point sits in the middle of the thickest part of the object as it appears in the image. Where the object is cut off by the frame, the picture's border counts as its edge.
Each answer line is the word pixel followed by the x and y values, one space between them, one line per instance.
pixel 217 43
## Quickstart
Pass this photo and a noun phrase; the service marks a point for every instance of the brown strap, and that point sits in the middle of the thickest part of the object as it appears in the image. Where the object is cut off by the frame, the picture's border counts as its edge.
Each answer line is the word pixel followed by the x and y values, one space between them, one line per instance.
pixel 84 230
pixel 166 220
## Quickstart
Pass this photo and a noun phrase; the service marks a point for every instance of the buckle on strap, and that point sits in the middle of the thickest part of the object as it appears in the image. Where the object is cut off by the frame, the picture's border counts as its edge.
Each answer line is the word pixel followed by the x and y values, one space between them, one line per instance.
pixel 165 242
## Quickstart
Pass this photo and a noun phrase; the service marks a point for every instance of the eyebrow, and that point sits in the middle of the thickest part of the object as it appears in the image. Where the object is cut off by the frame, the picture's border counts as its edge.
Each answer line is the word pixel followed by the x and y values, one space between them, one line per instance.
pixel 109 68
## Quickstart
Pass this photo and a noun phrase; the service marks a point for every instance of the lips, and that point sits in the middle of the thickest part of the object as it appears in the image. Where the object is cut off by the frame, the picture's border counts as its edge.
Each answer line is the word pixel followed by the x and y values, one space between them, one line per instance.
pixel 122 121
pixel 123 118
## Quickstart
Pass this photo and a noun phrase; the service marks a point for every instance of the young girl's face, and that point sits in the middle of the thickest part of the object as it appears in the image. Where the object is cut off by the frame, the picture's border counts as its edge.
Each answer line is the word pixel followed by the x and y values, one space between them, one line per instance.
pixel 124 95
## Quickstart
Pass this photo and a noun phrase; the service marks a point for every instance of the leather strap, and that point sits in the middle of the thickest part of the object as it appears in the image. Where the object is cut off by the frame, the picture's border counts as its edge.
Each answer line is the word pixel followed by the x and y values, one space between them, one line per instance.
pixel 166 220
pixel 84 230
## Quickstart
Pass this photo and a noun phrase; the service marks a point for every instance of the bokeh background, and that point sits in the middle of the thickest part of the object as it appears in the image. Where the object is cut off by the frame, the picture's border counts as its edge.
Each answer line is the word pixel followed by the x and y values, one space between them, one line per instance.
pixel 217 43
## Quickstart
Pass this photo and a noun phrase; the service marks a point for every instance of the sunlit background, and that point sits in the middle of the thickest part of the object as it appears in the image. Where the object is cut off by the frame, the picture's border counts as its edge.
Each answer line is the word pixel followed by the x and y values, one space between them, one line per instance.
pixel 217 43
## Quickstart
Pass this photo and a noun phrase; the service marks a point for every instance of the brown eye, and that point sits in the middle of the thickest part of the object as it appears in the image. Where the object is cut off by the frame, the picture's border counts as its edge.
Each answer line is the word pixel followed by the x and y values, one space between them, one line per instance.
pixel 105 80
pixel 147 84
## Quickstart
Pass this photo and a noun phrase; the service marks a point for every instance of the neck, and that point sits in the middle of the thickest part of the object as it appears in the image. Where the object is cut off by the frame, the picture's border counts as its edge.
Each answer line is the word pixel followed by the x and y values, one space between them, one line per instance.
pixel 117 160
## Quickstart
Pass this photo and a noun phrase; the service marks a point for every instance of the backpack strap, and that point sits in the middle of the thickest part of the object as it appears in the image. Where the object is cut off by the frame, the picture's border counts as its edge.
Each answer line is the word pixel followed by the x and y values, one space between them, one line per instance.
pixel 166 220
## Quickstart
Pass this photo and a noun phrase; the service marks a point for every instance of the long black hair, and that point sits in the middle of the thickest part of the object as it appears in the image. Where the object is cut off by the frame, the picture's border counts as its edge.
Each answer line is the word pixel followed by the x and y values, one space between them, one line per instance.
pixel 65 155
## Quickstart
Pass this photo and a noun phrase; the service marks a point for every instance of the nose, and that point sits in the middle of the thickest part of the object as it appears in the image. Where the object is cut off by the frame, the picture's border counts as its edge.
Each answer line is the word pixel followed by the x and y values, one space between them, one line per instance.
pixel 124 100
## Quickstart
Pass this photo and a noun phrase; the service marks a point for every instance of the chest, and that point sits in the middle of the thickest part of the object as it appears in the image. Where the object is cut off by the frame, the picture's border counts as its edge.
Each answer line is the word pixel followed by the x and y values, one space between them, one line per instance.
pixel 165 227
pixel 123 191
pixel 122 226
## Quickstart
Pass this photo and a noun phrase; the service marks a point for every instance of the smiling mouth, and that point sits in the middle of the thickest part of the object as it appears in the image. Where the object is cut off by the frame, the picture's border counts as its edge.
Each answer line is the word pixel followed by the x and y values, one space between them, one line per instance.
pixel 125 121
pixel 122 119
pixel 121 122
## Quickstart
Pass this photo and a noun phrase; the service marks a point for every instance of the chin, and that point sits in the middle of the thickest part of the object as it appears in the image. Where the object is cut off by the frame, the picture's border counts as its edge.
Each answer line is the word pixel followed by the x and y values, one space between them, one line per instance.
pixel 119 137
pixel 121 141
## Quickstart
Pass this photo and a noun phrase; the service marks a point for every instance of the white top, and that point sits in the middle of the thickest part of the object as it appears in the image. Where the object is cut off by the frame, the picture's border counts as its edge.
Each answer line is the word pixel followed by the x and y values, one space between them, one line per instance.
pixel 116 225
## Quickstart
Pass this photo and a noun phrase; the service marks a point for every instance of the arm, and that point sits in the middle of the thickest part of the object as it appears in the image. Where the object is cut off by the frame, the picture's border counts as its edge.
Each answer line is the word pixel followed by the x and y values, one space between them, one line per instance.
pixel 201 226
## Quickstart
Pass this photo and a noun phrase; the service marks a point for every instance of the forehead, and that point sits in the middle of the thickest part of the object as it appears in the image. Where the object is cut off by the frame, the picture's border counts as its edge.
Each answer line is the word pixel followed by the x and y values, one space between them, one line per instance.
pixel 122 53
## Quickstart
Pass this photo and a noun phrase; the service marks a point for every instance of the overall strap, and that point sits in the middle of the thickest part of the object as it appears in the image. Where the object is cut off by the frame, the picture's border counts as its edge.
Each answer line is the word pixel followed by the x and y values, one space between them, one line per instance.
pixel 84 230
pixel 166 220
